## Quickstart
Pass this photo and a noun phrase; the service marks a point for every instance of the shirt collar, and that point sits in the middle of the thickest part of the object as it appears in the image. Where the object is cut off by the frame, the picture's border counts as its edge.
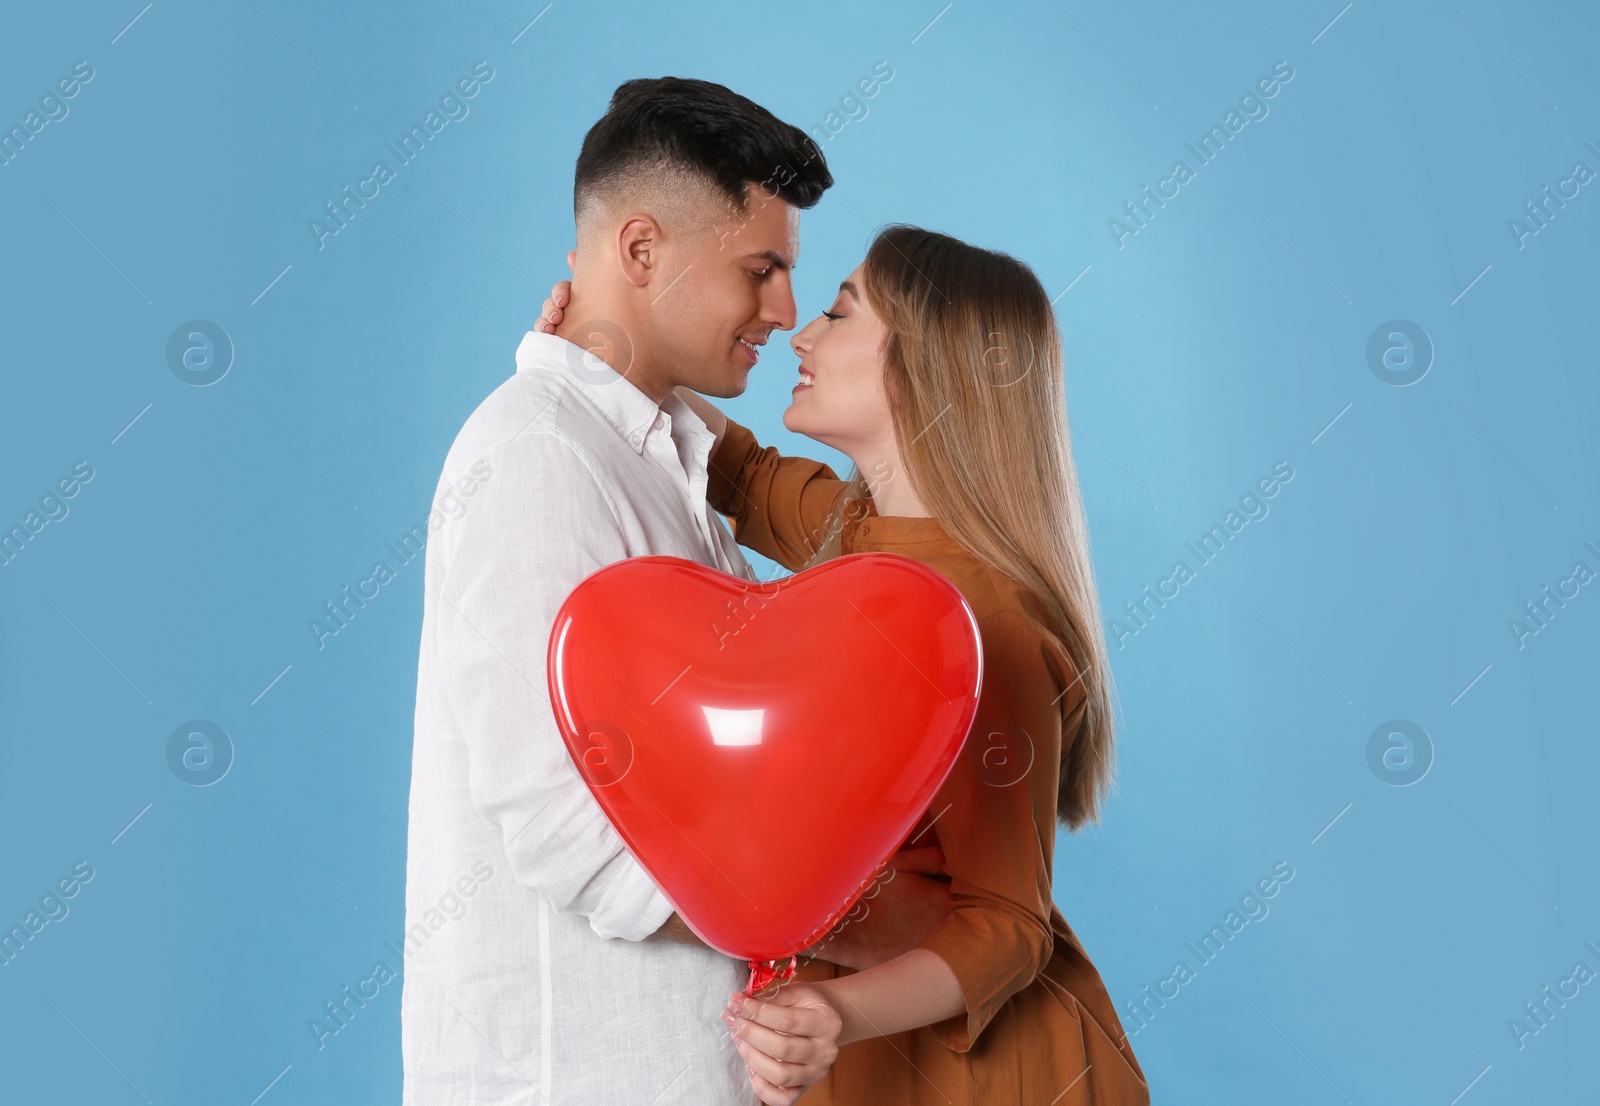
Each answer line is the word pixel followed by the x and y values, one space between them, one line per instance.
pixel 631 413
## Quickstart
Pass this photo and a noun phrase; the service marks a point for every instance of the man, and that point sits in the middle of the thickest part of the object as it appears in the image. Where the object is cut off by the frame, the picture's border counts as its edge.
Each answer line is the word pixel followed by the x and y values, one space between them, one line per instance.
pixel 542 963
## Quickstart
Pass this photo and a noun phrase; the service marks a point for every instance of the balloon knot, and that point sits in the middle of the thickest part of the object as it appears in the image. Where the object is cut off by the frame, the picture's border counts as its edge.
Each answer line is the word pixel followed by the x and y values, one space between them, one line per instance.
pixel 767 974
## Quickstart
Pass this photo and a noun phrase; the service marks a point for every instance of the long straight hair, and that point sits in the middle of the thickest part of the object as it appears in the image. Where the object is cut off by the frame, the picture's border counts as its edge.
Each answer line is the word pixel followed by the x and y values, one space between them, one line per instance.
pixel 973 370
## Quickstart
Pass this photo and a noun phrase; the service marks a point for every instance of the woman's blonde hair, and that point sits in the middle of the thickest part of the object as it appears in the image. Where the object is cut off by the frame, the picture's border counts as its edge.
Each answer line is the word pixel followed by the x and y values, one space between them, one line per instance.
pixel 972 367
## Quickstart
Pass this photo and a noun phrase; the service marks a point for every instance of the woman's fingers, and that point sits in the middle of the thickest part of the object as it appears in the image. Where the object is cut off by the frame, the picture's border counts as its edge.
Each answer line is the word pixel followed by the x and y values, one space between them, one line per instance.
pixel 774 1095
pixel 800 1020
pixel 776 1072
pixel 924 861
pixel 788 1045
pixel 793 1011
pixel 779 1046
pixel 554 306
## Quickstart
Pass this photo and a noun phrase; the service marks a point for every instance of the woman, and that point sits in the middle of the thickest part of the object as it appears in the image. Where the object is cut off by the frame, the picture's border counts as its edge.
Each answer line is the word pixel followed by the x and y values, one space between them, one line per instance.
pixel 938 371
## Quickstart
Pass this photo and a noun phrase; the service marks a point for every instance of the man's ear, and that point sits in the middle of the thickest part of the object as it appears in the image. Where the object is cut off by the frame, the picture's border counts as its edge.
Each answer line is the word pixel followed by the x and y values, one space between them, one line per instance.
pixel 639 250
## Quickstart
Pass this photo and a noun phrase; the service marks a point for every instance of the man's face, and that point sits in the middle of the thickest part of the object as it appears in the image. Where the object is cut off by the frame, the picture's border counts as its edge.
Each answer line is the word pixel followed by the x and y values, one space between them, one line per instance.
pixel 729 289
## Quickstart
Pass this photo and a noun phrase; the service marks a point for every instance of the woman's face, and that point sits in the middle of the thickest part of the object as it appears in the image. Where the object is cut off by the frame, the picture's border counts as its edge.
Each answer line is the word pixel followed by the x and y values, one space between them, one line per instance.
pixel 840 400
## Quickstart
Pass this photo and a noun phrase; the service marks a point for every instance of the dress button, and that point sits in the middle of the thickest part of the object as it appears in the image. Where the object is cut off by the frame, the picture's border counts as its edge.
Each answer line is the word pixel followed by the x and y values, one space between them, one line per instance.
pixel 635 438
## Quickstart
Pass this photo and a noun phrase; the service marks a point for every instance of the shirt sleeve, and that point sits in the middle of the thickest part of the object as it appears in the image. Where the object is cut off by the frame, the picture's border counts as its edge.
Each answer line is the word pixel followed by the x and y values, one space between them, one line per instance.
pixel 995 818
pixel 534 531
pixel 779 505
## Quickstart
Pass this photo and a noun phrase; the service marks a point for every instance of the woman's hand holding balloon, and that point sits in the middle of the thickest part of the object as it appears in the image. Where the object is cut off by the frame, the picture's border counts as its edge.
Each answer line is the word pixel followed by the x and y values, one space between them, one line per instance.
pixel 788 1040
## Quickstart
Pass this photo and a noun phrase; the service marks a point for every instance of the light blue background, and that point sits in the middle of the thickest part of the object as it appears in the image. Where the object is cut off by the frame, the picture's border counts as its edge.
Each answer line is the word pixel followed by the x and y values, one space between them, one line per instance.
pixel 1229 334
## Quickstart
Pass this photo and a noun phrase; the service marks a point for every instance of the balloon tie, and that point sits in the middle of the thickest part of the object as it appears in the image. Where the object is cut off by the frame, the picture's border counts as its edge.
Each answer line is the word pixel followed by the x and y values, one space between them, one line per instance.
pixel 767 974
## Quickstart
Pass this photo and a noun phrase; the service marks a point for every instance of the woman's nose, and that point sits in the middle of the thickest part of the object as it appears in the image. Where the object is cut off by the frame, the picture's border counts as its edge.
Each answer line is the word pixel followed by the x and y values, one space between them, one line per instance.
pixel 800 343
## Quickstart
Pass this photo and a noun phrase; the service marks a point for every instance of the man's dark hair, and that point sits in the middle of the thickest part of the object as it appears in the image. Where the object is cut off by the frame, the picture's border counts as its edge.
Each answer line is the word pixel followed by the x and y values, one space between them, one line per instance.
pixel 706 129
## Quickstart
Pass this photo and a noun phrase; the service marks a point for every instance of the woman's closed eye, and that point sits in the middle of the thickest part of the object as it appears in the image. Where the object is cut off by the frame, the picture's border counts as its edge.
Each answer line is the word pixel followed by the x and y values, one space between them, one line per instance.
pixel 830 316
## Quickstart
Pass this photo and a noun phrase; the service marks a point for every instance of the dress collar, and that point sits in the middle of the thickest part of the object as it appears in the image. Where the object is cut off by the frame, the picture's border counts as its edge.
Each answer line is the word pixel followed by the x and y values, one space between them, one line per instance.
pixel 887 531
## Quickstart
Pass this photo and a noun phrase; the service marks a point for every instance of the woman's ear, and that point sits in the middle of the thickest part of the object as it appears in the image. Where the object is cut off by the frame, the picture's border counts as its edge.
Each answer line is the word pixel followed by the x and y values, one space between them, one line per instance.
pixel 888 381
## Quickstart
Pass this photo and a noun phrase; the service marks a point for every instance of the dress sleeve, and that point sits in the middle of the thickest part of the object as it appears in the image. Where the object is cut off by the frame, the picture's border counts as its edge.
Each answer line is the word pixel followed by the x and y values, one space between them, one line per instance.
pixel 779 505
pixel 995 818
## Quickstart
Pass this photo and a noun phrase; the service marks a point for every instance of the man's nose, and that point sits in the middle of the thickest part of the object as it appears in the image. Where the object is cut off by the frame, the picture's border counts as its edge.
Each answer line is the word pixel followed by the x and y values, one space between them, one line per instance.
pixel 777 307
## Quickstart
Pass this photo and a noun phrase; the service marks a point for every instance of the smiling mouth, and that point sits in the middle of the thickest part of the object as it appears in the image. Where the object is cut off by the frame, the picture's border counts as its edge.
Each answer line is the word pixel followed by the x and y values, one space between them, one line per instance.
pixel 755 350
pixel 806 379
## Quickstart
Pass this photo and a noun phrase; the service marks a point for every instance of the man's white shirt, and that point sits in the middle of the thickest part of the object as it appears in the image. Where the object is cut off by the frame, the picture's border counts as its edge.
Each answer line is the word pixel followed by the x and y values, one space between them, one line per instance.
pixel 527 976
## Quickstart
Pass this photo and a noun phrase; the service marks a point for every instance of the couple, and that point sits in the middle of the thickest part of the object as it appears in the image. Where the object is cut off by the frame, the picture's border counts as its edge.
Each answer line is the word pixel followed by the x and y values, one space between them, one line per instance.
pixel 560 973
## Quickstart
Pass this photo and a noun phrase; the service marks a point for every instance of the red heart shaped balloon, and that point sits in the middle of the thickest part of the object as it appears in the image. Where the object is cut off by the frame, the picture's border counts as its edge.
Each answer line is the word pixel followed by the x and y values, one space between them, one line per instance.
pixel 763 748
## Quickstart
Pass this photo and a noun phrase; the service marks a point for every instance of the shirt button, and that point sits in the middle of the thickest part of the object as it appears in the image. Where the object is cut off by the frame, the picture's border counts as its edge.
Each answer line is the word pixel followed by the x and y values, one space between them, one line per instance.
pixel 635 438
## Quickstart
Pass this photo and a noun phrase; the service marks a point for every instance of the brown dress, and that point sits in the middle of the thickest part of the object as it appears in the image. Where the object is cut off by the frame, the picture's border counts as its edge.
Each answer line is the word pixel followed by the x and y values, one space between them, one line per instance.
pixel 1039 1026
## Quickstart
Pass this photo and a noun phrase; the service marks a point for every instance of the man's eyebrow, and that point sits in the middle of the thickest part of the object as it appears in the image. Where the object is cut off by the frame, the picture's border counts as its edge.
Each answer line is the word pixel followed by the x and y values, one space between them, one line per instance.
pixel 846 286
pixel 777 259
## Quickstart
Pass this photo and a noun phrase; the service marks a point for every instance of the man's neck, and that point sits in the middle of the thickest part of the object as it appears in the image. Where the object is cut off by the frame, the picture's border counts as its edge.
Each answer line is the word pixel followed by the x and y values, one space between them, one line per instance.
pixel 613 345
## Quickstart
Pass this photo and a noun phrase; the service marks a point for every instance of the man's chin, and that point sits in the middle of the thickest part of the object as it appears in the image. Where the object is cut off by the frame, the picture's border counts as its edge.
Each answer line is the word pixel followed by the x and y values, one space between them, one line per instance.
pixel 730 386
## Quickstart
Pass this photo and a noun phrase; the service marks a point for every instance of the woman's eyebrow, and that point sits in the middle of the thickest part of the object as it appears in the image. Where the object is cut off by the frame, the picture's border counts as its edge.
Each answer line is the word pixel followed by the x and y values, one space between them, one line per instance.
pixel 846 286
